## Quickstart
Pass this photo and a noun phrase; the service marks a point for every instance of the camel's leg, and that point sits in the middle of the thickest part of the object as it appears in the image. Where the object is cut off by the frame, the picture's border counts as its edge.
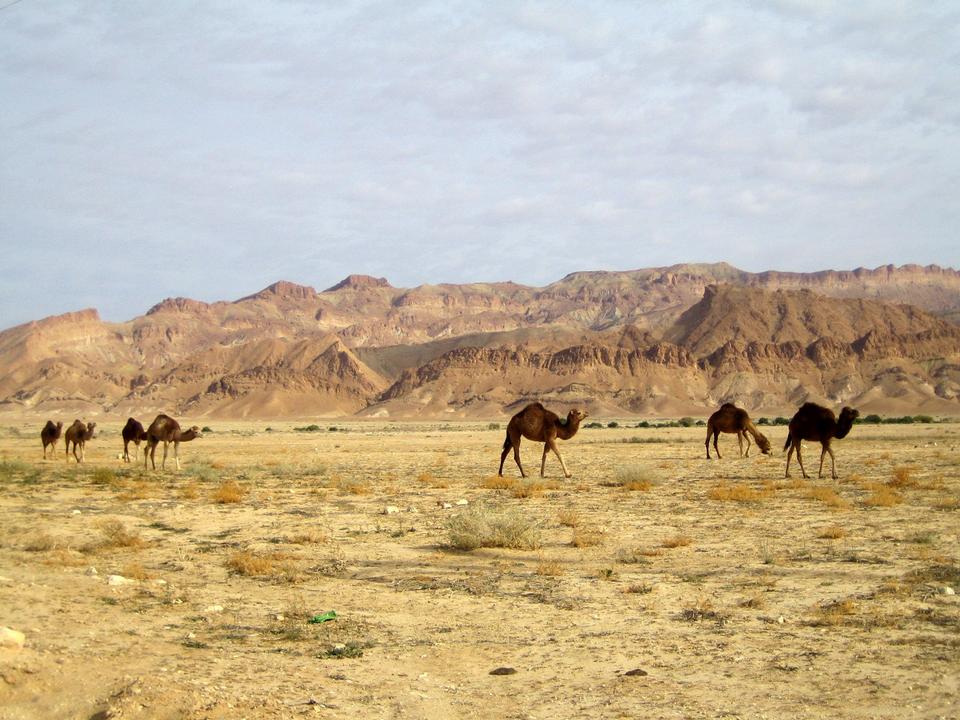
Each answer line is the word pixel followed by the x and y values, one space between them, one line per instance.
pixel 823 451
pixel 553 446
pixel 83 451
pixel 176 452
pixel 503 456
pixel 833 467
pixel 707 443
pixel 516 455
pixel 740 442
pixel 44 451
pixel 716 436
pixel 163 464
pixel 66 450
pixel 543 460
pixel 126 451
pixel 800 460
pixel 747 438
pixel 789 455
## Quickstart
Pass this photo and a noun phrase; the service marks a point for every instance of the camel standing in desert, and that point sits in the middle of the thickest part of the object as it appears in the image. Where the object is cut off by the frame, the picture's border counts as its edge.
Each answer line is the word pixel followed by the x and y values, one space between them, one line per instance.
pixel 731 419
pixel 166 430
pixel 132 432
pixel 537 423
pixel 817 423
pixel 78 434
pixel 49 436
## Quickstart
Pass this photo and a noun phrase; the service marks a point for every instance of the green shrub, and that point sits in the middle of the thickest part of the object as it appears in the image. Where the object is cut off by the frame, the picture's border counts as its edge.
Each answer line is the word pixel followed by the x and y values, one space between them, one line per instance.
pixel 308 428
pixel 613 424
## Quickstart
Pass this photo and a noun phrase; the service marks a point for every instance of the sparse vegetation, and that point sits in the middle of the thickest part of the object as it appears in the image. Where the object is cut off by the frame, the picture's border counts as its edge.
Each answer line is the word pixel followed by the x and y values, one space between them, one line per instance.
pixel 482 525
pixel 737 492
pixel 229 491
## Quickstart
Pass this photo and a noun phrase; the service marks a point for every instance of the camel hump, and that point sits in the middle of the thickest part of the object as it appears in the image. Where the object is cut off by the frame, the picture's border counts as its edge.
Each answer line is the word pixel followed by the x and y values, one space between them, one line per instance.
pixel 49 426
pixel 728 406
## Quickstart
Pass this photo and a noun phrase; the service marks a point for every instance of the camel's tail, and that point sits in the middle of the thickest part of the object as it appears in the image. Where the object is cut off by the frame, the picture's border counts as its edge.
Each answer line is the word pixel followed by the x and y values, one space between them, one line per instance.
pixel 506 443
pixel 787 443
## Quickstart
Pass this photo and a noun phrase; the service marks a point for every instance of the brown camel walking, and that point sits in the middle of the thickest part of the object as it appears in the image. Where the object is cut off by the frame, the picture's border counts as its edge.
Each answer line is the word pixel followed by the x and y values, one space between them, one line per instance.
pixel 132 432
pixel 815 422
pixel 78 434
pixel 731 419
pixel 49 436
pixel 537 423
pixel 166 430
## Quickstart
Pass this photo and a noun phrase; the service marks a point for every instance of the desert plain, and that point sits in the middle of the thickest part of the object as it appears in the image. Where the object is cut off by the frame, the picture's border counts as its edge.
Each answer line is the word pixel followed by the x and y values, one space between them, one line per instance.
pixel 653 583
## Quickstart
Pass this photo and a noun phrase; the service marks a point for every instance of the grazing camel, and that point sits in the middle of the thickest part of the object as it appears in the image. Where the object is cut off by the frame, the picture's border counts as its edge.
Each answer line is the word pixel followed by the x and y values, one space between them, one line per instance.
pixel 132 432
pixel 49 436
pixel 166 430
pixel 537 423
pixel 78 434
pixel 731 419
pixel 814 422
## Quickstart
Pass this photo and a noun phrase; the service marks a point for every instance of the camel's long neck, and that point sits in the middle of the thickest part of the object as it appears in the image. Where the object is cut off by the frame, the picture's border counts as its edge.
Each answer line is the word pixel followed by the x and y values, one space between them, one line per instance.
pixel 752 429
pixel 843 427
pixel 569 429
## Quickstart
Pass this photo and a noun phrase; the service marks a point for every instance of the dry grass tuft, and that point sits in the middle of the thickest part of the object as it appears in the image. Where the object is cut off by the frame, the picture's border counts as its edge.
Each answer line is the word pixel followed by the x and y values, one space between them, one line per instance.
pixel 352 486
pixel 229 491
pixel 532 488
pixel 754 602
pixel 634 479
pixel 568 517
pixel 587 537
pixel 484 526
pixel 495 482
pixel 882 496
pixel 549 568
pixel 431 480
pixel 946 502
pixel 138 491
pixel 275 565
pixel 637 555
pixel 677 541
pixel 903 477
pixel 41 542
pixel 833 614
pixel 307 537
pixel 190 491
pixel 737 492
pixel 65 557
pixel 116 535
pixel 833 532
pixel 827 496
pixel 135 571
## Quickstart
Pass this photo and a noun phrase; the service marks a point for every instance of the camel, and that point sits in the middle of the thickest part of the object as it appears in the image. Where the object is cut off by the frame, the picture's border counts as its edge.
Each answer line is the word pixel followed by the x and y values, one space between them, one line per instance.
pixel 731 419
pixel 78 434
pixel 166 430
pixel 814 422
pixel 132 432
pixel 49 436
pixel 537 423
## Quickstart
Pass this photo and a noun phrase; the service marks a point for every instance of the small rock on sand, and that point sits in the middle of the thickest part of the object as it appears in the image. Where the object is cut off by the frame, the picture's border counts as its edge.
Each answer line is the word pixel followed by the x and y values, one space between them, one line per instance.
pixel 10 638
pixel 503 671
pixel 119 580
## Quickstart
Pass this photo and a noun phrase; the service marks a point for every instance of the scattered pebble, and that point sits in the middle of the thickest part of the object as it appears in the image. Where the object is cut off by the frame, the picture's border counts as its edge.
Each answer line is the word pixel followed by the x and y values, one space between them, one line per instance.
pixel 213 609
pixel 780 620
pixel 76 512
pixel 119 580
pixel 446 505
pixel 503 671
pixel 92 571
pixel 947 590
pixel 10 638
pixel 462 501
pixel 636 672
pixel 390 510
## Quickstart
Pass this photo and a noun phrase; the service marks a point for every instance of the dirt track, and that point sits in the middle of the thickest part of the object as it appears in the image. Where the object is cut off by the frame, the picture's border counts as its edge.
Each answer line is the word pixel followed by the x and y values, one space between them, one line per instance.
pixel 735 592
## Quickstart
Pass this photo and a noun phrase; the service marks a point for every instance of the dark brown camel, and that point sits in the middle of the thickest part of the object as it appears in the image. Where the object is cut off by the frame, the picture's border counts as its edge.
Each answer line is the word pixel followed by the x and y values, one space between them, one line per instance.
pixel 731 419
pixel 537 423
pixel 166 430
pixel 132 432
pixel 49 436
pixel 78 434
pixel 814 422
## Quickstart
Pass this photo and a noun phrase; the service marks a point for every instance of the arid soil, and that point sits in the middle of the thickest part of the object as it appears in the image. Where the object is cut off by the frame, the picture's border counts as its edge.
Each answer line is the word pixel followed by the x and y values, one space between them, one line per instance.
pixel 655 583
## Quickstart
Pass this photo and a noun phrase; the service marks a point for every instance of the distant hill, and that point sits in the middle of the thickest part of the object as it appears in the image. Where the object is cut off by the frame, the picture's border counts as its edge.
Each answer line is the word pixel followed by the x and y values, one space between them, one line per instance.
pixel 665 341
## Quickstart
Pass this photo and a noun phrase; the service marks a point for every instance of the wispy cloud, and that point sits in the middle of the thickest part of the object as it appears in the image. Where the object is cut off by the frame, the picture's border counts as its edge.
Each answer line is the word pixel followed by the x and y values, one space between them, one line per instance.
pixel 207 149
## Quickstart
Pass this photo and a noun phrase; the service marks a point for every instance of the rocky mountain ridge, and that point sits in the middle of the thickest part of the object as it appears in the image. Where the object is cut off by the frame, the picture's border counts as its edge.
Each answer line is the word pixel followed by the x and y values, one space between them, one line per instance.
pixel 661 340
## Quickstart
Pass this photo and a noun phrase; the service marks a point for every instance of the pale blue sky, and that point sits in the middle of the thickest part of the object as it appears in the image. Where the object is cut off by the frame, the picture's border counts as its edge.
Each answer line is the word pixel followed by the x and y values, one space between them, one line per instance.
pixel 154 149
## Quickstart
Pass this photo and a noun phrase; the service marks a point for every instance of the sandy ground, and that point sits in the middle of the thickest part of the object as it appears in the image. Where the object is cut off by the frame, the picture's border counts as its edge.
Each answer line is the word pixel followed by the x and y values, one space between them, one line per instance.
pixel 726 589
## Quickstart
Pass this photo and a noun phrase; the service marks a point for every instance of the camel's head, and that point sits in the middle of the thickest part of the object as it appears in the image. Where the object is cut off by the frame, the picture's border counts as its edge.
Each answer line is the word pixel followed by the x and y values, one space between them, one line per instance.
pixel 92 429
pixel 849 413
pixel 59 424
pixel 196 431
pixel 763 444
pixel 577 415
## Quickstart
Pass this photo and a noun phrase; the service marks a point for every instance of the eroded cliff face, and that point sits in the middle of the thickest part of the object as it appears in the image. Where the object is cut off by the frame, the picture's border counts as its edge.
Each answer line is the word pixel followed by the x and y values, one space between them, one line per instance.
pixel 664 340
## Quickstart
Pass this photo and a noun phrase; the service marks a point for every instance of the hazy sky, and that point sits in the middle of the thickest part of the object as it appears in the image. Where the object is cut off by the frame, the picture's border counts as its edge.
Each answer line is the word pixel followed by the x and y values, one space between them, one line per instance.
pixel 207 149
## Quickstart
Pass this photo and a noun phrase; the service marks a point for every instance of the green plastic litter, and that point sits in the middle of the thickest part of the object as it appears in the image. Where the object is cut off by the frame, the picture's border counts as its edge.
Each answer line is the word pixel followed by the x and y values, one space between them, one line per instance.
pixel 324 617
